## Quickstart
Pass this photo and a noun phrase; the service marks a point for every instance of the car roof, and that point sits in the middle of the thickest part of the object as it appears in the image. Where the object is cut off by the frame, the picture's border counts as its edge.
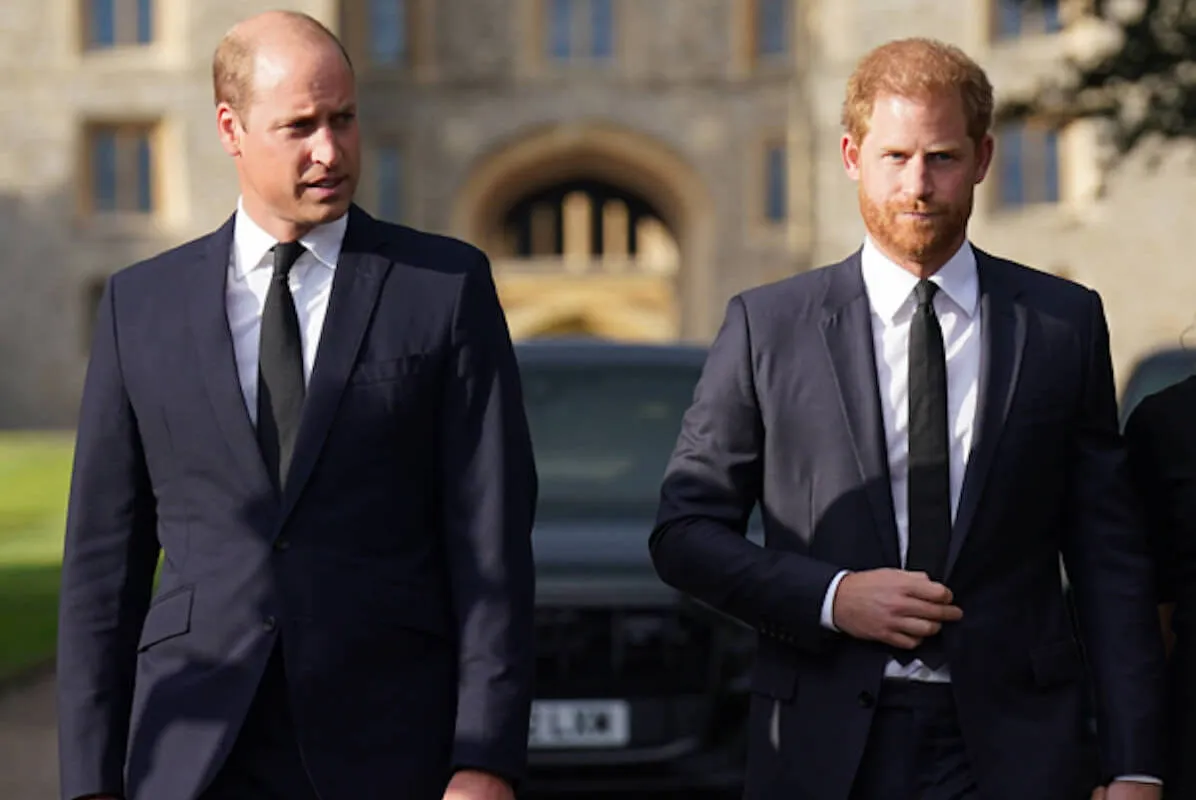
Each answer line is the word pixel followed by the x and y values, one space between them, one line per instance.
pixel 579 351
pixel 1178 355
pixel 1154 372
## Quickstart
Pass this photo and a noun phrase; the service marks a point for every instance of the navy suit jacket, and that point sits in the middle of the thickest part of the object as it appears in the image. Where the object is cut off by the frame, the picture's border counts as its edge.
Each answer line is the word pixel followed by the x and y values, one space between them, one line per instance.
pixel 787 416
pixel 395 565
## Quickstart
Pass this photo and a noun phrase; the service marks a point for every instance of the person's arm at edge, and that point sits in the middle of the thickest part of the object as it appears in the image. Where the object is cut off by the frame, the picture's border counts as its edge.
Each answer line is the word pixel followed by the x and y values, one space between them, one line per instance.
pixel 1146 444
pixel 110 553
pixel 1109 565
pixel 489 489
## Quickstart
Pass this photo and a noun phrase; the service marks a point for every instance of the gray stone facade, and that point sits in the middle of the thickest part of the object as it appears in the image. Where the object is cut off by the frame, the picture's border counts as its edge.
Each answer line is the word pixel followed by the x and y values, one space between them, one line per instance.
pixel 680 115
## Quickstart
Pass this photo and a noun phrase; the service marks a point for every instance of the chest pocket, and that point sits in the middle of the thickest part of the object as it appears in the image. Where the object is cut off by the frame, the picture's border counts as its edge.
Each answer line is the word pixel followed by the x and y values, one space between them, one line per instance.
pixel 387 370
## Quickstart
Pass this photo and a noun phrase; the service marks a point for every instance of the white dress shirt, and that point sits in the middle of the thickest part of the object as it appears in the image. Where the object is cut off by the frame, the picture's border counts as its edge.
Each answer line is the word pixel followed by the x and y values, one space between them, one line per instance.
pixel 250 268
pixel 890 290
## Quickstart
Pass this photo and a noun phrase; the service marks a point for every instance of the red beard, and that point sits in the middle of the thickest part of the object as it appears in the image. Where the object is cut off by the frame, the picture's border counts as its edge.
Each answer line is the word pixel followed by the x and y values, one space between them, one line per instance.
pixel 919 240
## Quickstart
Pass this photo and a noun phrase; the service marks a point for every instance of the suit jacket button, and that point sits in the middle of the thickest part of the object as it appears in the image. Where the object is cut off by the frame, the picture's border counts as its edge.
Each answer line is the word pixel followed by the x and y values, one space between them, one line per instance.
pixel 269 624
pixel 866 700
pixel 281 544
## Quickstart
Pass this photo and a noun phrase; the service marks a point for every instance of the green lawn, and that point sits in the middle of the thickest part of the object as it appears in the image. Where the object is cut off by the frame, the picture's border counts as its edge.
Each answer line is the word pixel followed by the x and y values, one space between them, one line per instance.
pixel 34 479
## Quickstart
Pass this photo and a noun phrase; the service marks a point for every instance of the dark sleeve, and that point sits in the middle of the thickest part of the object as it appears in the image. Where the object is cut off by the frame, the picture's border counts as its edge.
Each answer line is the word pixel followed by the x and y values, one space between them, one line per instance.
pixel 1109 564
pixel 110 552
pixel 489 487
pixel 710 488
pixel 1146 444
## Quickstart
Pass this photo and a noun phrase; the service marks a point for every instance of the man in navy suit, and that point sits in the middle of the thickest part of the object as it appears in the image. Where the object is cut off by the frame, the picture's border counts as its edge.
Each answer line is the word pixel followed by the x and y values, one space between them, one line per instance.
pixel 926 429
pixel 316 419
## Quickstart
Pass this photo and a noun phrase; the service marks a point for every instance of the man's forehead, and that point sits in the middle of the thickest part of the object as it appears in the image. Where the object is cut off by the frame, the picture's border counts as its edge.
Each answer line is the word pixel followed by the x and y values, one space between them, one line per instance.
pixel 939 103
pixel 896 116
pixel 900 136
pixel 269 71
pixel 277 61
pixel 299 85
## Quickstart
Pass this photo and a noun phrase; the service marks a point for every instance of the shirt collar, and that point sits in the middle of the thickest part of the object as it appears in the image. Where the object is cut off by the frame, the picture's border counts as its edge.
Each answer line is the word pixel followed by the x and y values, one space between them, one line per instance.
pixel 251 244
pixel 889 286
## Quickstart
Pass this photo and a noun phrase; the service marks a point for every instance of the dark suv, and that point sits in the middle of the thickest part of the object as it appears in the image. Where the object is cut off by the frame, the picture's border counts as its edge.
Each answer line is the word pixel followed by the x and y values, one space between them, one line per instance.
pixel 638 688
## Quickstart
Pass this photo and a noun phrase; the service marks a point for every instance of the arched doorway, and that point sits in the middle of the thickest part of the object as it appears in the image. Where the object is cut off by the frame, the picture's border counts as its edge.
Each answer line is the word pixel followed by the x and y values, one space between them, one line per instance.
pixel 593 230
pixel 585 220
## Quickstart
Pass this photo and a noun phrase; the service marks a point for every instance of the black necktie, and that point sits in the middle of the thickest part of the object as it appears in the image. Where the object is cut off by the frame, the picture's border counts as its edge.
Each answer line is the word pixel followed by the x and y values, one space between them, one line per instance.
pixel 929 460
pixel 280 369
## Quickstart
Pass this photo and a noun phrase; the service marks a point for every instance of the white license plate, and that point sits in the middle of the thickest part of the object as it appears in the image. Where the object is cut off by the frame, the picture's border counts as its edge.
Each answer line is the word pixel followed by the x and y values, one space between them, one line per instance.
pixel 579 723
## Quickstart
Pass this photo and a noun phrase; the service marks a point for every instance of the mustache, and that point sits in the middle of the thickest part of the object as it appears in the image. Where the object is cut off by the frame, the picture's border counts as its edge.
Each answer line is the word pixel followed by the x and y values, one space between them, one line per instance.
pixel 937 209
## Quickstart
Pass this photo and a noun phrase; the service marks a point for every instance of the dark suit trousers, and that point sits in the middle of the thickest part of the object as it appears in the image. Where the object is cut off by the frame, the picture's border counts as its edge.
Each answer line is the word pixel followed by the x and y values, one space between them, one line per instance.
pixel 915 750
pixel 265 763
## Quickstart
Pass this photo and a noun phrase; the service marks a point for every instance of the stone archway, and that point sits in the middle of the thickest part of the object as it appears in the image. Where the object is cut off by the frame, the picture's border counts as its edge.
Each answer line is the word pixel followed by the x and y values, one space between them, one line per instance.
pixel 631 306
pixel 637 308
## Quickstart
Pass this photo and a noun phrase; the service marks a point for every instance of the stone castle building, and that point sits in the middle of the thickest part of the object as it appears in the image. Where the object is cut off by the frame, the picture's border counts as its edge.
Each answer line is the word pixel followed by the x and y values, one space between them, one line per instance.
pixel 628 164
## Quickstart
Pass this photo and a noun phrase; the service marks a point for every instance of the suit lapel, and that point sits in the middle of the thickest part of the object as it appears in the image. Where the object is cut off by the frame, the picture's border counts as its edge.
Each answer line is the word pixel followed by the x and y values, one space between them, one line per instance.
pixel 206 309
pixel 1003 340
pixel 359 276
pixel 847 334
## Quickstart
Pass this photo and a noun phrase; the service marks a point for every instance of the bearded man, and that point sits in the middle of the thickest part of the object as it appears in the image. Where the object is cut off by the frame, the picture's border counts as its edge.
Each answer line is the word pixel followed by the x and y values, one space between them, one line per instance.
pixel 926 429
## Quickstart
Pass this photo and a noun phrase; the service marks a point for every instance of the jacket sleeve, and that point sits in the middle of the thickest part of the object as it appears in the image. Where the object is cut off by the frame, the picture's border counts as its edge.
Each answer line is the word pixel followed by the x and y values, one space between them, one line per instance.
pixel 1146 445
pixel 109 556
pixel 710 488
pixel 1108 562
pixel 489 489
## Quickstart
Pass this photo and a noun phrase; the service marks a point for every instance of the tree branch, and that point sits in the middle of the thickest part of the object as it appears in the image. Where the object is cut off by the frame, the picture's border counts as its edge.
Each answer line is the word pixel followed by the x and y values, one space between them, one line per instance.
pixel 1145 86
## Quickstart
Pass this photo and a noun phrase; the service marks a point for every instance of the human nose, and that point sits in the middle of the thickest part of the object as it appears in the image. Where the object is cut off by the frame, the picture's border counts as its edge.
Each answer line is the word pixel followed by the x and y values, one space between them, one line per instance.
pixel 324 149
pixel 916 178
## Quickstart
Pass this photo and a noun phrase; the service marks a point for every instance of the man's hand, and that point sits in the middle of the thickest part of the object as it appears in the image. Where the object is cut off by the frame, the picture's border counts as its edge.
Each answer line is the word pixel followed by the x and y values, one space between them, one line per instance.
pixel 471 784
pixel 892 606
pixel 1128 790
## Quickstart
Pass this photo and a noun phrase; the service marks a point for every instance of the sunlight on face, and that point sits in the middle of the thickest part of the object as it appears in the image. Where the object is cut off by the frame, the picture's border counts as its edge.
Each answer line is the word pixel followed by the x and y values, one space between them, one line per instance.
pixel 917 170
pixel 298 149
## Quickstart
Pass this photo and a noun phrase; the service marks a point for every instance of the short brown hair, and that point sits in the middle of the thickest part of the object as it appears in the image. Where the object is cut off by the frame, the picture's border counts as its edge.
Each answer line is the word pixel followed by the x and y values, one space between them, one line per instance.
pixel 232 64
pixel 917 68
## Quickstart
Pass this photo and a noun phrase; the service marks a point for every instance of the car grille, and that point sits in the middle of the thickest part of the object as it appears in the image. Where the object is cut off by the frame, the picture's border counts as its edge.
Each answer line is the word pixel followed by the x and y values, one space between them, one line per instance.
pixel 622 652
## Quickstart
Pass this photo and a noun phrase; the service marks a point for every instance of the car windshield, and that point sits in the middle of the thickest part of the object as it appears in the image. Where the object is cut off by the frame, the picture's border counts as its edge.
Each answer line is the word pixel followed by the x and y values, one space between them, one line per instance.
pixel 603 433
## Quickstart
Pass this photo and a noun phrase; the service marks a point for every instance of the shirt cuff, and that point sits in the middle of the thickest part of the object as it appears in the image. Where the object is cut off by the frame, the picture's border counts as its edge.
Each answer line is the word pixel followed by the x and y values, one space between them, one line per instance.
pixel 1139 779
pixel 828 602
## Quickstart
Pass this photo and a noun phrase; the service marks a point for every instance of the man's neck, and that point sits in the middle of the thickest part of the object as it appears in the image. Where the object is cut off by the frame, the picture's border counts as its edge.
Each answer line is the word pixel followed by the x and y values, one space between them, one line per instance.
pixel 925 267
pixel 282 230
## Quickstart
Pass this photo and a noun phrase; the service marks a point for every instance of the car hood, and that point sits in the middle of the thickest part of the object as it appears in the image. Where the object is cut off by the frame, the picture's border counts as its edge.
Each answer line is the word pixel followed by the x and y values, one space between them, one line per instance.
pixel 596 560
